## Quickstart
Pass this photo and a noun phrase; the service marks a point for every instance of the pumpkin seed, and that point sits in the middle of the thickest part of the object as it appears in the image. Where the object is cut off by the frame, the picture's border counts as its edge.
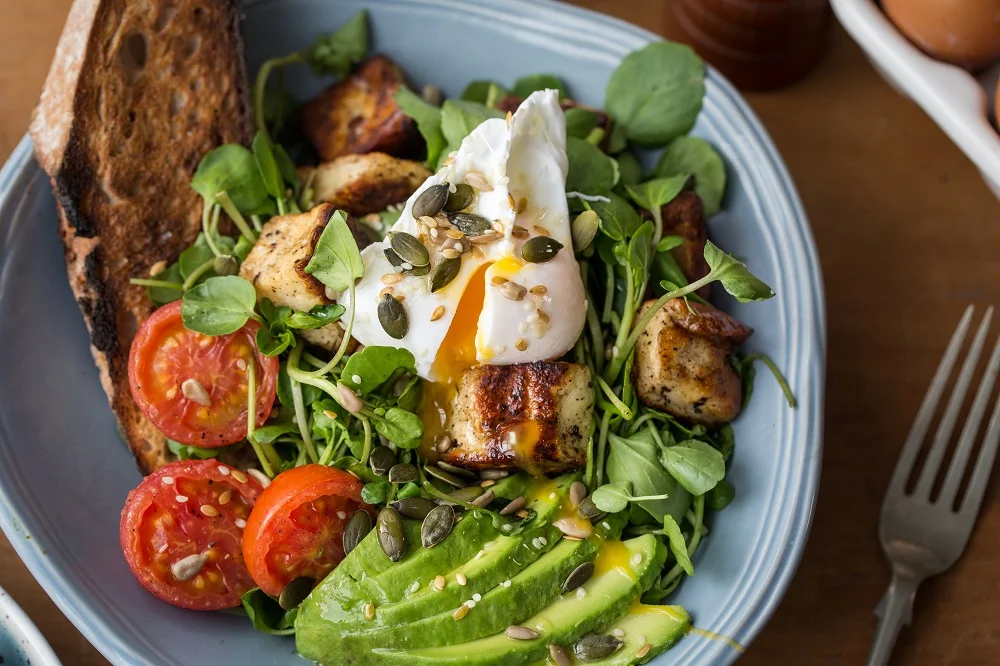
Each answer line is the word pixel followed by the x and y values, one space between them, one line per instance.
pixel 382 459
pixel 296 591
pixel 494 474
pixel 559 656
pixel 447 477
pixel 391 535
pixel 540 249
pixel 458 471
pixel 392 257
pixel 431 201
pixel 484 500
pixel 577 493
pixel 589 510
pixel 578 577
pixel 514 506
pixel 445 271
pixel 519 633
pixel 512 291
pixel 443 443
pixel 437 525
pixel 226 265
pixel 409 248
pixel 594 647
pixel 402 473
pixel 357 529
pixel 460 199
pixel 392 316
pixel 470 224
pixel 415 508
pixel 418 271
pixel 463 494
pixel 584 229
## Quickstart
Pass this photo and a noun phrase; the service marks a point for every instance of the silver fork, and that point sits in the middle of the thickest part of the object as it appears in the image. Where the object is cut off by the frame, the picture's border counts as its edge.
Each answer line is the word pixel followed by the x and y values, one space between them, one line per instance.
pixel 920 537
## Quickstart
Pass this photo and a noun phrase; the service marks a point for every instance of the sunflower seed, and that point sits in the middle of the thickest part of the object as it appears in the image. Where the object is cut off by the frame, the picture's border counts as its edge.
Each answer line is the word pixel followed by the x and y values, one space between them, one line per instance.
pixel 486 238
pixel 296 591
pixel 519 232
pixel 392 316
pixel 440 582
pixel 443 443
pixel 540 230
pixel 462 494
pixel 447 477
pixel 369 610
pixel 578 577
pixel 573 527
pixel 226 265
pixel 428 221
pixel 589 510
pixel 498 280
pixel 559 656
pixel 193 390
pixel 402 473
pixel 513 291
pixel 189 566
pixel 446 270
pixel 540 249
pixel 494 474
pixel 511 202
pixel 437 525
pixel 514 506
pixel 451 254
pixel 478 181
pixel 538 290
pixel 454 234
pixel 391 278
pixel 431 201
pixel 409 249
pixel 382 459
pixel 438 313
pixel 157 268
pixel 470 224
pixel 595 647
pixel 584 229
pixel 458 471
pixel 460 612
pixel 415 508
pixel 577 493
pixel 460 199
pixel 357 529
pixel 643 651
pixel 391 535
pixel 521 633
pixel 522 205
pixel 484 500
pixel 348 399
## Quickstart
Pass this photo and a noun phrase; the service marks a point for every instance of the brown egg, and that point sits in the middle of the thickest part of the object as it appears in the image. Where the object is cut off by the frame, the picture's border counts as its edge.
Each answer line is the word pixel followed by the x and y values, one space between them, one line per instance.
pixel 962 32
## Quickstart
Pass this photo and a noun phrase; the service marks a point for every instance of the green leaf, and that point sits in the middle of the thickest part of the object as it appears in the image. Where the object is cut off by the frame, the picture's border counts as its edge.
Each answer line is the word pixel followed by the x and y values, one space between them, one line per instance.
pixel 580 122
pixel 735 277
pixel 374 365
pixel 725 441
pixel 428 120
pixel 653 194
pixel 219 305
pixel 526 85
pixel 459 118
pixel 274 339
pixel 286 167
pixel 162 295
pixel 483 91
pixel 336 261
pixel 640 249
pixel 375 492
pixel 267 434
pixel 694 156
pixel 590 170
pixel 618 219
pixel 335 54
pixel 232 169
pixel 617 141
pixel 696 465
pixel 400 427
pixel 612 497
pixel 409 399
pixel 656 93
pixel 317 317
pixel 719 497
pixel 187 452
pixel 410 489
pixel 242 248
pixel 678 546
pixel 267 165
pixel 629 169
pixel 267 615
pixel 634 461
pixel 668 243
pixel 310 393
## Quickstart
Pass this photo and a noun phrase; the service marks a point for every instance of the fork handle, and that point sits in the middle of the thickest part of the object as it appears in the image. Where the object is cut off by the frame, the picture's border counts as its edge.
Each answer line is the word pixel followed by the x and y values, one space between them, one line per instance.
pixel 894 610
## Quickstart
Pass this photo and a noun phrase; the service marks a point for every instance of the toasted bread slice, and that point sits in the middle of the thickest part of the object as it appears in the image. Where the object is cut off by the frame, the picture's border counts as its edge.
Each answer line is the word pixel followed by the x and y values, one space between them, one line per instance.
pixel 365 184
pixel 137 94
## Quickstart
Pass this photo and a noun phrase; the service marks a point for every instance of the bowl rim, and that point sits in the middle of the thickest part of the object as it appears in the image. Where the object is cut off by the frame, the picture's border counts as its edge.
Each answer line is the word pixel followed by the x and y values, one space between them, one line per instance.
pixel 20 627
pixel 557 19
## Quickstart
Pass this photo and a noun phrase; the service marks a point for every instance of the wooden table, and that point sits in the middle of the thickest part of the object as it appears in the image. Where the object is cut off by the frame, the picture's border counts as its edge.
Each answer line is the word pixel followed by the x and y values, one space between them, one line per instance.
pixel 908 234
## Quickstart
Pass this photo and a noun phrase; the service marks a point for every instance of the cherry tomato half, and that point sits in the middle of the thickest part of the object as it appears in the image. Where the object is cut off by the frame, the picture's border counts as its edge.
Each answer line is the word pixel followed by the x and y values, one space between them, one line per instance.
pixel 296 528
pixel 181 533
pixel 211 409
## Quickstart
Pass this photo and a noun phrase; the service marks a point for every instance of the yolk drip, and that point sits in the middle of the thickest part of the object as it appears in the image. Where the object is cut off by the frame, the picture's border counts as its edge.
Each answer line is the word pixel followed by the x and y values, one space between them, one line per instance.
pixel 613 555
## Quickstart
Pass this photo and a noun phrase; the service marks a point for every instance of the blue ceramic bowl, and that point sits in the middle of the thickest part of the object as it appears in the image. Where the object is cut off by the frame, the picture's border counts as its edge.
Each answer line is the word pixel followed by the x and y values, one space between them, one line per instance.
pixel 21 644
pixel 64 471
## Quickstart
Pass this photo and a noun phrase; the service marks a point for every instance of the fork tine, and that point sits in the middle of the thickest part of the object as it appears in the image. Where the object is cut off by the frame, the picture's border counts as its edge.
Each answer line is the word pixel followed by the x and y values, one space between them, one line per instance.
pixel 984 465
pixel 963 450
pixel 923 421
pixel 932 465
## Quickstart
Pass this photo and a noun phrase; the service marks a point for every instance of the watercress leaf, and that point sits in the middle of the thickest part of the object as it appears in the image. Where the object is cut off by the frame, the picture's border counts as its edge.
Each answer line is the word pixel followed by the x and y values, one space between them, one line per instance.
pixel 375 492
pixel 410 489
pixel 286 167
pixel 400 427
pixel 459 118
pixel 336 262
pixel 267 615
pixel 629 169
pixel 526 85
pixel 580 122
pixel 232 169
pixel 374 365
pixel 617 140
pixel 267 434
pixel 482 90
pixel 747 375
pixel 640 249
pixel 677 544
pixel 719 497
pixel 618 219
pixel 242 248
pixel 267 165
pixel 428 119
pixel 163 295
pixel 656 92
pixel 735 277
pixel 310 393
pixel 187 452
pixel 272 340
pixel 653 194
pixel 390 216
pixel 692 155
pixel 612 497
pixel 697 466
pixel 409 399
pixel 634 460
pixel 336 53
pixel 725 441
pixel 668 243
pixel 219 305
pixel 318 316
pixel 590 170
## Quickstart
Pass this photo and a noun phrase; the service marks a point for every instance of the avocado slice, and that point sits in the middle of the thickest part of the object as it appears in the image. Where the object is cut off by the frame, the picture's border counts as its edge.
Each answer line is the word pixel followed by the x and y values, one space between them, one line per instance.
pixel 623 571
pixel 660 627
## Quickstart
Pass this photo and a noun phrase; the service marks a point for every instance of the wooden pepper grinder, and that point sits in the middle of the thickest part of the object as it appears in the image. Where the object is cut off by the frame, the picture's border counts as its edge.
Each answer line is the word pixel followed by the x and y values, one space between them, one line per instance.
pixel 757 44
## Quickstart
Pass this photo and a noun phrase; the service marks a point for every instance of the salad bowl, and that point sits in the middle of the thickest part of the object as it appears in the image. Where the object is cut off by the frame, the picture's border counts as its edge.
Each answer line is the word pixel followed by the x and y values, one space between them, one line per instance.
pixel 65 473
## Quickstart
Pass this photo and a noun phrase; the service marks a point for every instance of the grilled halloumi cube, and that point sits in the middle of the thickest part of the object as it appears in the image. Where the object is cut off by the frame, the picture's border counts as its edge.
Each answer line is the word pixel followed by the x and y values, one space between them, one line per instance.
pixel 359 114
pixel 276 266
pixel 683 363
pixel 533 416
pixel 363 184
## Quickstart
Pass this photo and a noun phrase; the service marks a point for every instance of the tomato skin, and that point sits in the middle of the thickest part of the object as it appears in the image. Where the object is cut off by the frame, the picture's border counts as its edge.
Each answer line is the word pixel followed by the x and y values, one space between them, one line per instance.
pixel 296 529
pixel 164 355
pixel 157 530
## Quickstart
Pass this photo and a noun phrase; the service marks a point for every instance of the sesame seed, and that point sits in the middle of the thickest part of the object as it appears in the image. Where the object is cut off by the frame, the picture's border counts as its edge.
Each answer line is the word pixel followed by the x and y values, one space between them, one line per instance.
pixel 552 496
pixel 641 639
pixel 167 480
pixel 454 234
pixel 406 266
pixel 510 116
pixel 447 161
pixel 522 513
pixel 223 470
pixel 539 290
pixel 241 364
pixel 225 497
pixel 259 476
pixel 157 268
pixel 477 597
pixel 460 612
pixel 240 523
pixel 181 498
pixel 209 510
pixel 386 291
pixel 643 651
pixel 171 393
pixel 536 543
pixel 450 253
pixel 415 586
pixel 392 278
pixel 342 515
pixel 636 559
pixel 506 583
pixel 461 579
pixel 478 181
pixel 618 632
pixel 543 540
pixel 522 205
pixel 540 230
pixel 434 233
pixel 498 226
pixel 329 414
pixel 440 582
pixel 369 610
pixel 521 345
pixel 605 525
pixel 580 593
pixel 356 379
pixel 507 527
pixel 428 221
pixel 471 603
pixel 239 476
pixel 521 328
pixel 438 313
